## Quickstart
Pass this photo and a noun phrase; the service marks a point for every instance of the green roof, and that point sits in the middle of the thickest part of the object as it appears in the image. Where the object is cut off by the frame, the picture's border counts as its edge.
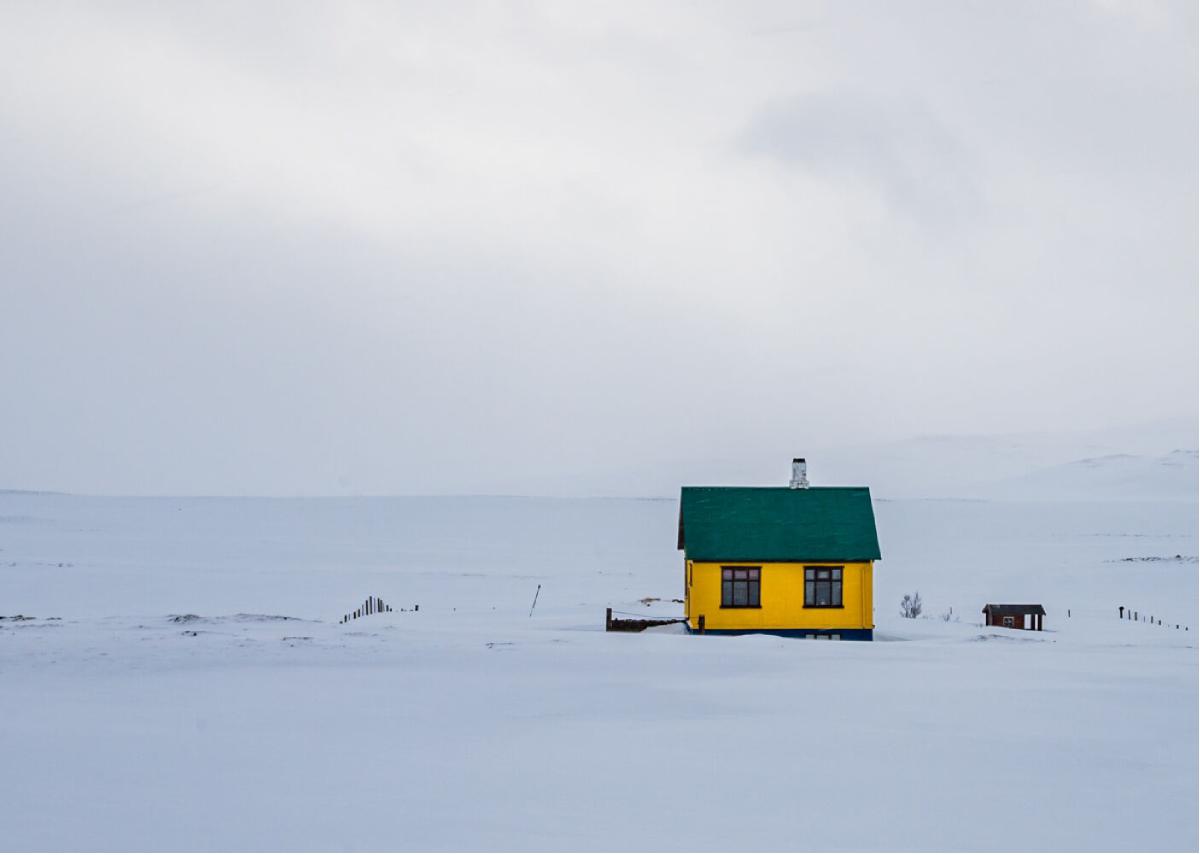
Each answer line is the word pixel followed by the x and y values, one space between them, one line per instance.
pixel 777 524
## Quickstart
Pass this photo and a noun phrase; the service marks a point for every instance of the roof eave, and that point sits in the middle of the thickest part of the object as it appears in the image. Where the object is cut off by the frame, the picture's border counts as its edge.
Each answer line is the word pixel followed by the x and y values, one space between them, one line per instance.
pixel 777 560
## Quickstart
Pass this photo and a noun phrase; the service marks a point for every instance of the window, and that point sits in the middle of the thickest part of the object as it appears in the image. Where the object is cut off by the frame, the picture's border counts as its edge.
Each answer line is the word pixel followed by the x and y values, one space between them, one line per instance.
pixel 740 587
pixel 1008 621
pixel 822 587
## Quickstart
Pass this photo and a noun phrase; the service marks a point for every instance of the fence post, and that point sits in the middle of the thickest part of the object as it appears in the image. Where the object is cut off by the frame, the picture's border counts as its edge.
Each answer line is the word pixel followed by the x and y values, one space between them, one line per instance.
pixel 1121 612
pixel 608 619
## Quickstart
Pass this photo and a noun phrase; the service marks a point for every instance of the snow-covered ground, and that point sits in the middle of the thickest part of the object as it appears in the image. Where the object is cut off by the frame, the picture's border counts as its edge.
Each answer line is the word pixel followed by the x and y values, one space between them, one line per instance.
pixel 161 700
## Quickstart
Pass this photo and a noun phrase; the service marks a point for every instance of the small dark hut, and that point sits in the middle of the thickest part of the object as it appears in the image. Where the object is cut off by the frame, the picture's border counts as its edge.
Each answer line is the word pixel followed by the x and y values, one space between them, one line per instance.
pixel 1014 616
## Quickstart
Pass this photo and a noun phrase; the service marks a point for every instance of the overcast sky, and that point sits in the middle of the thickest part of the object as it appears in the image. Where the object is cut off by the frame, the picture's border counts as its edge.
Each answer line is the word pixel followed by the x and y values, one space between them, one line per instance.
pixel 288 248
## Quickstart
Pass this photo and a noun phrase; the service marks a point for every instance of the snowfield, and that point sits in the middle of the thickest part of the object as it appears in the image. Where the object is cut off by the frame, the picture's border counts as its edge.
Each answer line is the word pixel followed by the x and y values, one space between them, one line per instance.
pixel 184 683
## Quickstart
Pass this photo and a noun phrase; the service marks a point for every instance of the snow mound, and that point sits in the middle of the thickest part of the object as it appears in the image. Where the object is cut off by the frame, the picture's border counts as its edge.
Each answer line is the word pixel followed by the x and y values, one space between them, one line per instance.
pixel 241 617
pixel 188 618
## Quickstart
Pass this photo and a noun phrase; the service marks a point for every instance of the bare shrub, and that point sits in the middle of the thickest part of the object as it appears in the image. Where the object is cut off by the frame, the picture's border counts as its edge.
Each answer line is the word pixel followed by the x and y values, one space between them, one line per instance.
pixel 910 606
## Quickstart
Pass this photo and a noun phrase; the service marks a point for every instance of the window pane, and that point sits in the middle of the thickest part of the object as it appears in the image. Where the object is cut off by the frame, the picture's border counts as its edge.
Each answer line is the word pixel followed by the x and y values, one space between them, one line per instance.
pixel 726 593
pixel 809 574
pixel 823 573
pixel 739 593
pixel 726 573
pixel 837 572
pixel 809 598
pixel 754 573
pixel 754 593
pixel 837 593
pixel 739 574
pixel 822 593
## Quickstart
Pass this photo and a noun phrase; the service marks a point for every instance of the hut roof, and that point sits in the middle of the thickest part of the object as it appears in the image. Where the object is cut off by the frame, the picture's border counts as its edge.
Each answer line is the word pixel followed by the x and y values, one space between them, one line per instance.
pixel 1013 610
pixel 777 524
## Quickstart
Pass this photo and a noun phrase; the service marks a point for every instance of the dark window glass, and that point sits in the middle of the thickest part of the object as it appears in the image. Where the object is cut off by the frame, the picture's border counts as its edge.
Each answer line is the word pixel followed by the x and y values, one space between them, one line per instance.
pixel 822 587
pixel 741 587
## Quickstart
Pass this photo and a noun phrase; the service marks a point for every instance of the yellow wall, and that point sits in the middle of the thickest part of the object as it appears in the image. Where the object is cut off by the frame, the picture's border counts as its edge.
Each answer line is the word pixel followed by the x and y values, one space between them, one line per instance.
pixel 782 598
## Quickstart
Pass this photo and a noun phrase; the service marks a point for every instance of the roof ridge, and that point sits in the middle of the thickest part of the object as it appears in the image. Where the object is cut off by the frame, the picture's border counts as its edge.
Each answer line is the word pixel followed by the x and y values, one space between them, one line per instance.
pixel 773 487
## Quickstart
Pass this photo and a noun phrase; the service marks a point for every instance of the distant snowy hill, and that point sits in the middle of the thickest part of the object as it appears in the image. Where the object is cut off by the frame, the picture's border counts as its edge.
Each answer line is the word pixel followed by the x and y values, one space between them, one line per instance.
pixel 935 466
pixel 1129 461
pixel 1113 476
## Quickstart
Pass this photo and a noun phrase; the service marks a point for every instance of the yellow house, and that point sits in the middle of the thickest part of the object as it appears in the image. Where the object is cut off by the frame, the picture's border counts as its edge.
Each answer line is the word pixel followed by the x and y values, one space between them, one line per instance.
pixel 794 560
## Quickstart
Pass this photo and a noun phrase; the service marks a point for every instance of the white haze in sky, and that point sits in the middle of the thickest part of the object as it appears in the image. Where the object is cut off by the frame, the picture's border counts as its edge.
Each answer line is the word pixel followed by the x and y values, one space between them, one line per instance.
pixel 433 248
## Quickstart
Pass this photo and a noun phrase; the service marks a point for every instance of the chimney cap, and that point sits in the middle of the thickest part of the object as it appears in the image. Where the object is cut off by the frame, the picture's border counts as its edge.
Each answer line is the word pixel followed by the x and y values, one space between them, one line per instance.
pixel 799 474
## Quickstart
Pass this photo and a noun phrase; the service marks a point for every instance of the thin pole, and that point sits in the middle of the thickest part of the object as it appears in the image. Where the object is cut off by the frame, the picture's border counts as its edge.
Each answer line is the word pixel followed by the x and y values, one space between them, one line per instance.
pixel 535 596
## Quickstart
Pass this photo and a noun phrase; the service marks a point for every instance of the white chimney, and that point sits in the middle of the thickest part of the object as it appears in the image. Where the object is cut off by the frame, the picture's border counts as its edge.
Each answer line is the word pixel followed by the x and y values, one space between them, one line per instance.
pixel 799 474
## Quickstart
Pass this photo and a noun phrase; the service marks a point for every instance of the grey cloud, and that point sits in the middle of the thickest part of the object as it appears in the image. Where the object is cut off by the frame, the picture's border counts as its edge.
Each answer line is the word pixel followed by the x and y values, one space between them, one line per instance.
pixel 896 147
pixel 386 249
